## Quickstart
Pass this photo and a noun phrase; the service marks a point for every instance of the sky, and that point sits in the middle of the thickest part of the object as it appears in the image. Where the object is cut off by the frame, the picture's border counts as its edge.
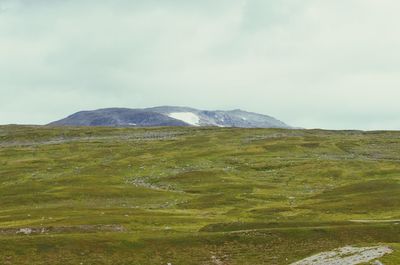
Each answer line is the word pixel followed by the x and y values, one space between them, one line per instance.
pixel 332 64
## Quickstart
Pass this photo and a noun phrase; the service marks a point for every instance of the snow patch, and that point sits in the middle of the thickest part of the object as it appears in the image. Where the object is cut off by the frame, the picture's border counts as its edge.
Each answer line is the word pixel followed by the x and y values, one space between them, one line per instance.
pixel 188 117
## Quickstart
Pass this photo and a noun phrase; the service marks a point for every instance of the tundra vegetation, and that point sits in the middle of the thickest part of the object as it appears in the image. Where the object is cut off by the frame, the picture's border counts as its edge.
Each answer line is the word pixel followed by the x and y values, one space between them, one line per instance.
pixel 96 195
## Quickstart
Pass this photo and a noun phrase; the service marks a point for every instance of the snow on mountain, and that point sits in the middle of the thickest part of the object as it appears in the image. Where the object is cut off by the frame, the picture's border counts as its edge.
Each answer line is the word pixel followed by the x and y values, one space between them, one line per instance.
pixel 188 117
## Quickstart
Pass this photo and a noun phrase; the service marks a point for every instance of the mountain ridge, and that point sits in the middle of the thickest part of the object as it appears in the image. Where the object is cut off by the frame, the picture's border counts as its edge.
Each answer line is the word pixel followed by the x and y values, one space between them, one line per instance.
pixel 169 116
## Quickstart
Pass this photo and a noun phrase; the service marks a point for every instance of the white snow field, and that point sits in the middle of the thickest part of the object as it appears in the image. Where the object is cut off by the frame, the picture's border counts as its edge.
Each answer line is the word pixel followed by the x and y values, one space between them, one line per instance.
pixel 346 256
pixel 188 117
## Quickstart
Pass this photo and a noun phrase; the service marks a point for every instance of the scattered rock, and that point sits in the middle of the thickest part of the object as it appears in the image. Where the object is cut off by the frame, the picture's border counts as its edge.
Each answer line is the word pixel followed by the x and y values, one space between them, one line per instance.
pixel 346 256
pixel 62 229
pixel 25 231
pixel 216 260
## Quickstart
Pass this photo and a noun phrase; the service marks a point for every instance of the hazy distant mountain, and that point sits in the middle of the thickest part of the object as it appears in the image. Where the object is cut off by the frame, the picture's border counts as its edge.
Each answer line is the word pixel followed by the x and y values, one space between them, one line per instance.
pixel 170 116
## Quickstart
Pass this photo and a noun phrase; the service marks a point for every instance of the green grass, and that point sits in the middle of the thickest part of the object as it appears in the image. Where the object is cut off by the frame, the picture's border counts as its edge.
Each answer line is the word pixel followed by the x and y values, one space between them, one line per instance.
pixel 194 195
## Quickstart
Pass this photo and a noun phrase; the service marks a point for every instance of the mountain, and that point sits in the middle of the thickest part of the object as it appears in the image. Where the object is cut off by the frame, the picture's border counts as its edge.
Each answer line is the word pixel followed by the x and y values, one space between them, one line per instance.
pixel 169 116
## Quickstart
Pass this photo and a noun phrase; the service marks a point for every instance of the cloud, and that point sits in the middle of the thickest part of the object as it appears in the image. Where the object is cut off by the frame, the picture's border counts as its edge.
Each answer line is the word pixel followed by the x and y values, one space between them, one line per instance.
pixel 310 63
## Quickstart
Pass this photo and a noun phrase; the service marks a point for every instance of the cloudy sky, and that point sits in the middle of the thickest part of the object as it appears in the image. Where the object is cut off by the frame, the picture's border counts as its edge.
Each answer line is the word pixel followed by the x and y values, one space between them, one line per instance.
pixel 311 63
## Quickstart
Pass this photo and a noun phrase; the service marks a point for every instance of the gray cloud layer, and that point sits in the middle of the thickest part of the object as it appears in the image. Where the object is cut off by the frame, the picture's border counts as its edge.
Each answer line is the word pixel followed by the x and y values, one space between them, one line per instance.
pixel 311 63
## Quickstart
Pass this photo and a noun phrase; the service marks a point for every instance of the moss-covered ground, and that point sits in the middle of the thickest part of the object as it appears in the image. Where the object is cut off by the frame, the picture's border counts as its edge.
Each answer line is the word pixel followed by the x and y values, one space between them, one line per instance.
pixel 194 195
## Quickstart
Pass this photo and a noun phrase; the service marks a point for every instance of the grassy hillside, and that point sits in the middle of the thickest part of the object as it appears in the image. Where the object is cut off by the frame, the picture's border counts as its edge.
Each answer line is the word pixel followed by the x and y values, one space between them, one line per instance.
pixel 194 195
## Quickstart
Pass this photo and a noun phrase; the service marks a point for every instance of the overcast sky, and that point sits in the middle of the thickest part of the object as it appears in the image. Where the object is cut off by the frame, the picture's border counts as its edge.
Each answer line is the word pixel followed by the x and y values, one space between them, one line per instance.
pixel 311 63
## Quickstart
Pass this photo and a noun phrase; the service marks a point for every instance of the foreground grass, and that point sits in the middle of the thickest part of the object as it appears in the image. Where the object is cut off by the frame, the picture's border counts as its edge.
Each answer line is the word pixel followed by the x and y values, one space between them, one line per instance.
pixel 194 195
